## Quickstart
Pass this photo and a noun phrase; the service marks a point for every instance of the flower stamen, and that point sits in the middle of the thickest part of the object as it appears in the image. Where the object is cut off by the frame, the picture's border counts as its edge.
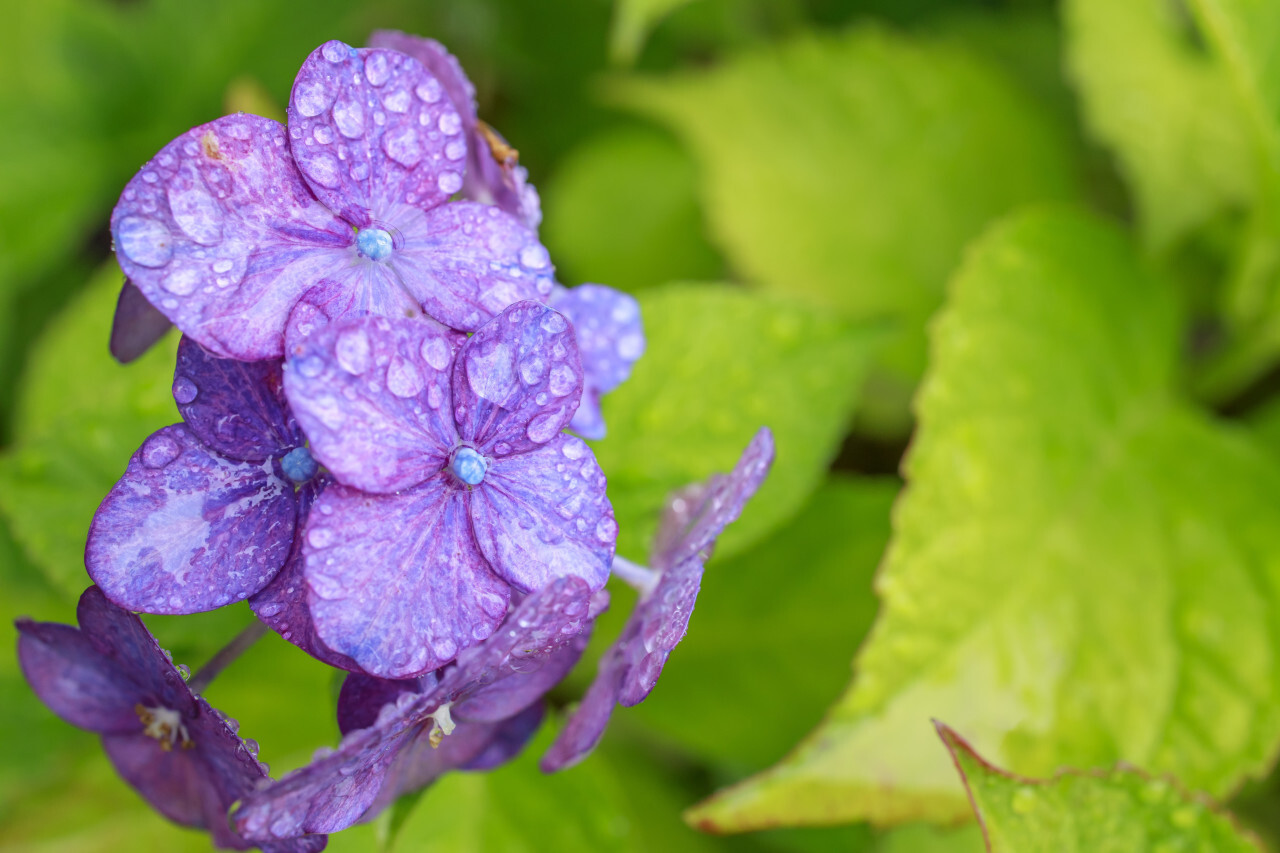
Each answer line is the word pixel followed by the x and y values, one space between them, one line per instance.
pixel 165 725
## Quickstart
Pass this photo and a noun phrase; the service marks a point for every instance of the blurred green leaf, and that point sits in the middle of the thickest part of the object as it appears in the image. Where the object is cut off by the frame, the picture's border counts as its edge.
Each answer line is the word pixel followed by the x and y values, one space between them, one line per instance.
pixel 1083 568
pixel 795 606
pixel 633 20
pixel 80 417
pixel 1114 811
pixel 622 210
pixel 720 364
pixel 852 170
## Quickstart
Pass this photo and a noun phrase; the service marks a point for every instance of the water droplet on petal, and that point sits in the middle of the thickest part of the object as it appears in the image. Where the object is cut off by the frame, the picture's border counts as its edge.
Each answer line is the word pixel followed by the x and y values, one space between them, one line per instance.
pixel 144 241
pixel 320 537
pixel 456 149
pixel 554 323
pixel 182 282
pixel 311 366
pixel 606 529
pixel 353 351
pixel 563 380
pixel 376 68
pixel 544 427
pixel 429 90
pixel 401 144
pixel 184 390
pixel 398 101
pixel 323 169
pixel 449 182
pixel 269 610
pixel 436 352
pixel 159 450
pixel 450 123
pixel 534 256
pixel 532 369
pixel 336 51
pixel 312 97
pixel 403 378
pixel 349 117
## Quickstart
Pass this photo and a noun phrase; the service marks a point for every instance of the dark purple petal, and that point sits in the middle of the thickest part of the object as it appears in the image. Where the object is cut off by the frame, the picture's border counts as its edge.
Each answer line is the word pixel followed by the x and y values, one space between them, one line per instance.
pixel 465 262
pixel 234 407
pixel 172 781
pixel 495 176
pixel 120 636
pixel 186 530
pixel 397 582
pixel 663 619
pixel 512 694
pixel 373 396
pixel 508 738
pixel 589 720
pixel 137 325
pixel 610 335
pixel 440 63
pixel 221 234
pixel 282 604
pixel 543 514
pixel 371 130
pixel 419 763
pixel 77 682
pixel 517 381
pixel 363 696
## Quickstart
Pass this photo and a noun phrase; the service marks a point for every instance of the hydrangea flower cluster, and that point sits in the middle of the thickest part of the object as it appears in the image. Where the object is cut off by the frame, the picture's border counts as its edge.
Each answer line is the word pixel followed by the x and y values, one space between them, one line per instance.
pixel 377 376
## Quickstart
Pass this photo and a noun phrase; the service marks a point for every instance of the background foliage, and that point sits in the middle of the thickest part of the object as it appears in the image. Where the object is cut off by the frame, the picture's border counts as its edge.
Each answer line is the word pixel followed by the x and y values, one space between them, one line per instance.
pixel 1025 255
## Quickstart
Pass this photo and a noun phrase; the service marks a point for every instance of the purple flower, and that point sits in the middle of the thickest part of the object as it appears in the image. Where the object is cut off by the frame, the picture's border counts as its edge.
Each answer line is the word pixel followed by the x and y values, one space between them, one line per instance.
pixel 110 676
pixel 489 691
pixel 236 221
pixel 610 337
pixel 205 512
pixel 694 518
pixel 494 173
pixel 455 482
pixel 137 325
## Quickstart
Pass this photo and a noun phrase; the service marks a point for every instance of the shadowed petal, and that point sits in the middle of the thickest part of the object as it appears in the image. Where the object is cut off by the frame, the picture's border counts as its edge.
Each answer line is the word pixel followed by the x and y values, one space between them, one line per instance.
pixel 465 262
pixel 589 720
pixel 186 530
pixel 370 130
pixel 78 683
pixel 397 582
pixel 363 696
pixel 495 176
pixel 373 396
pixel 221 234
pixel 493 703
pixel 234 407
pixel 610 335
pixel 517 381
pixel 544 514
pixel 172 781
pixel 136 326
pixel 508 738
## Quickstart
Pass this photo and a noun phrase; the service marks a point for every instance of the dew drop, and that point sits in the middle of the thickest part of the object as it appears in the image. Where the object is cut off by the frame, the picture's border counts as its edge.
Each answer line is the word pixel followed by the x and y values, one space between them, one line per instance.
pixel 311 366
pixel 184 390
pixel 534 256
pixel 323 134
pixel 197 214
pixel 456 149
pixel 269 610
pixel 398 101
pixel 320 537
pixel 182 282
pixel 532 369
pixel 353 351
pixel 312 98
pixel 403 378
pixel 607 529
pixel 159 451
pixel 429 90
pixel 563 380
pixel 376 68
pixel 544 427
pixel 336 51
pixel 402 145
pixel 449 182
pixel 436 352
pixel 631 347
pixel 145 241
pixel 222 266
pixel 553 322
pixel 349 117
pixel 323 169
pixel 450 123
pixel 573 449
pixel 360 170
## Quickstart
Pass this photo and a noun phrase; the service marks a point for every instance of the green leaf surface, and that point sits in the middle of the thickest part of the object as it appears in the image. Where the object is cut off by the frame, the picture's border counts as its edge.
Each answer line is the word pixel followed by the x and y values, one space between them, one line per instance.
pixel 80 417
pixel 623 211
pixel 850 171
pixel 721 363
pixel 1166 109
pixel 633 20
pixel 1083 568
pixel 1114 811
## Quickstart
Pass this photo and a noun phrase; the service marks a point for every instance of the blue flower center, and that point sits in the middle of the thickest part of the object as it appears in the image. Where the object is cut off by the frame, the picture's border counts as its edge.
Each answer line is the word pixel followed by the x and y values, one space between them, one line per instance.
pixel 299 465
pixel 374 243
pixel 468 466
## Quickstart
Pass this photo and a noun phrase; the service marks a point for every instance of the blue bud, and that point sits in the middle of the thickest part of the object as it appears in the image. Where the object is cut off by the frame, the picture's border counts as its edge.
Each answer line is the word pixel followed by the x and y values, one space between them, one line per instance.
pixel 299 465
pixel 469 466
pixel 373 243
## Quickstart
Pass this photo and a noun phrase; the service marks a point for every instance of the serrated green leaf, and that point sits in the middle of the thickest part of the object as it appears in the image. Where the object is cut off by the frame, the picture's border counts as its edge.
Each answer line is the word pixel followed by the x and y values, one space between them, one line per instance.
pixel 1165 108
pixel 720 364
pixel 1083 569
pixel 851 171
pixel 622 210
pixel 1114 811
pixel 80 417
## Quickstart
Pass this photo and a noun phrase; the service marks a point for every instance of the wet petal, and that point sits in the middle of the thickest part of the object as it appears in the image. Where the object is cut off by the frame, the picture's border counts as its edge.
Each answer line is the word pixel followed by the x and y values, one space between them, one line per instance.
pixel 508 738
pixel 369 130
pixel 397 582
pixel 495 176
pixel 172 781
pixel 517 381
pixel 590 719
pixel 235 407
pixel 373 396
pixel 440 63
pixel 186 530
pixel 465 262
pixel 221 235
pixel 137 325
pixel 610 335
pixel 363 696
pixel 542 515
pixel 508 696
pixel 75 680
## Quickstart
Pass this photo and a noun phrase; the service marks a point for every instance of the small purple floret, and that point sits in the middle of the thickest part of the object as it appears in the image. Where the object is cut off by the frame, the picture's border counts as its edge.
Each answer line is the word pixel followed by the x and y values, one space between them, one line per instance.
pixel 694 518
pixel 110 676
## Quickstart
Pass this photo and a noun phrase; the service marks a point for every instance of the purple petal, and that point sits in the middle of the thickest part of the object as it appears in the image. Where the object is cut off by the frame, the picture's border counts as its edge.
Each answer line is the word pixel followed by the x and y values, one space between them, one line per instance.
pixel 419 763
pixel 75 680
pixel 508 739
pixel 517 381
pixel 186 530
pixel 610 335
pixel 663 619
pixel 542 515
pixel 363 696
pixel 120 636
pixel 373 396
pixel 173 782
pixel 585 728
pixel 282 604
pixel 234 407
pixel 465 262
pixel 370 130
pixel 508 696
pixel 221 234
pixel 137 325
pixel 397 582
pixel 495 176
pixel 440 63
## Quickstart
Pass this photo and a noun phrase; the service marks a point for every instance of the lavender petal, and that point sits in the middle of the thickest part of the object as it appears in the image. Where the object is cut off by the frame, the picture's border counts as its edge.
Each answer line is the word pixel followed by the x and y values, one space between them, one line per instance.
pixel 373 396
pixel 514 693
pixel 186 530
pixel 440 63
pixel 590 719
pixel 517 381
pixel 495 176
pixel 397 582
pixel 221 234
pixel 137 326
pixel 610 335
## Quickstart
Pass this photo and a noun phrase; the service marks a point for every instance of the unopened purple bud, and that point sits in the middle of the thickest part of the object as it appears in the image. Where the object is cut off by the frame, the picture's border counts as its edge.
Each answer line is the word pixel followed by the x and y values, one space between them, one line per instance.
pixel 299 465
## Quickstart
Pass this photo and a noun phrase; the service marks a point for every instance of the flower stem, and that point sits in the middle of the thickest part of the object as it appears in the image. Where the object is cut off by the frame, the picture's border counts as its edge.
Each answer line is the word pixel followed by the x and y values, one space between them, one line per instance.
pixel 642 578
pixel 225 656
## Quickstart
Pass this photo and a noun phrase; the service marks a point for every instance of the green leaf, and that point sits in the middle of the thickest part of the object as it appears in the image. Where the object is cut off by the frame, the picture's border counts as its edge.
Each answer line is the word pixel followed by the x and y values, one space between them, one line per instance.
pixel 851 170
pixel 80 417
pixel 720 364
pixel 1114 811
pixel 757 614
pixel 633 20
pixel 622 210
pixel 1083 568
pixel 1166 109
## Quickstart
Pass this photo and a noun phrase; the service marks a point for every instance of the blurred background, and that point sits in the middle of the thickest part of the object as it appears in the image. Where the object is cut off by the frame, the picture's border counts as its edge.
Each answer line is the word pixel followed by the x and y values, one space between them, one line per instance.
pixel 785 184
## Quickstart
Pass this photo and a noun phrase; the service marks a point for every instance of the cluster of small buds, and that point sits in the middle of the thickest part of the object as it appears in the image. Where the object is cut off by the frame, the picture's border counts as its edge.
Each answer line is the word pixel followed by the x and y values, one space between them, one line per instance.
pixel 376 376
